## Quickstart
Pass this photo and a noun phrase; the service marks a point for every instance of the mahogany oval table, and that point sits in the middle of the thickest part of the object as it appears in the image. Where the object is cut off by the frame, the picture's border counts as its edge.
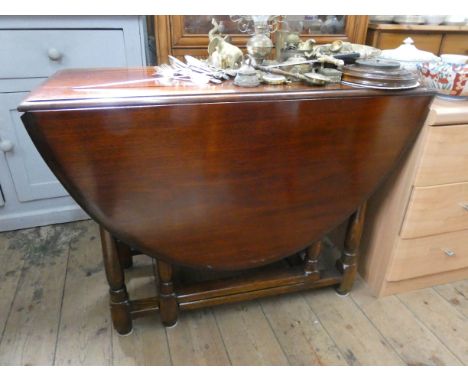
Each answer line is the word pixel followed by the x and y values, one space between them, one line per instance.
pixel 219 177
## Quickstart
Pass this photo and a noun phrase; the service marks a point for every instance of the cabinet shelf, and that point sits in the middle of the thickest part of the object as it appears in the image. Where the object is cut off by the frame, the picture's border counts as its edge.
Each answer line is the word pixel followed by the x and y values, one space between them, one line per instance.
pixel 172 38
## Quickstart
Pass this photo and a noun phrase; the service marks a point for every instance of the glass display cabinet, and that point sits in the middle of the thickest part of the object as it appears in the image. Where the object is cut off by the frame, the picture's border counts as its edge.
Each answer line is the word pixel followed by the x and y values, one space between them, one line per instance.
pixel 181 35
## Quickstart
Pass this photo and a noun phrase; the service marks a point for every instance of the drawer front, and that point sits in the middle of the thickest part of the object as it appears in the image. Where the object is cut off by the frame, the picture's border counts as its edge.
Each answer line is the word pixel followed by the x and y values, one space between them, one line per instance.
pixel 454 44
pixel 436 210
pixel 445 156
pixel 31 177
pixel 427 41
pixel 429 255
pixel 40 53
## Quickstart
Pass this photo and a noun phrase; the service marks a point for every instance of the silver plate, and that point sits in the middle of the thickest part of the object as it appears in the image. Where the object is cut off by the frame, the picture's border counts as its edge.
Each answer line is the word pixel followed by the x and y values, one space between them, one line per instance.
pixel 402 87
pixel 274 79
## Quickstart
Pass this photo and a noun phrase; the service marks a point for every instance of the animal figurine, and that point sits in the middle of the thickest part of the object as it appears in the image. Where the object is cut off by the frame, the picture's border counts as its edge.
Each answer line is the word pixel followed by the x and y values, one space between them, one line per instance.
pixel 307 47
pixel 292 41
pixel 222 54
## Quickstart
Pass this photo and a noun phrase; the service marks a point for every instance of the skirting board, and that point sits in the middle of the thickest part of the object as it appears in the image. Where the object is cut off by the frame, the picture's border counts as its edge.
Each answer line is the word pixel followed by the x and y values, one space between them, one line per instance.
pixel 394 287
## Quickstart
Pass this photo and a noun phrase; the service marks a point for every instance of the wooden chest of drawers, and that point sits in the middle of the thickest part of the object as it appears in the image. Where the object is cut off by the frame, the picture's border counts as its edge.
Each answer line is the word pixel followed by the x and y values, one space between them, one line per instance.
pixel 416 233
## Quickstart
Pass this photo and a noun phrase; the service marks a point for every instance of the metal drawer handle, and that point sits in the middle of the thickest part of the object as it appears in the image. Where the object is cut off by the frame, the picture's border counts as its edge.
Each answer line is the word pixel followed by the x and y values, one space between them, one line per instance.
pixel 5 145
pixel 449 252
pixel 464 205
pixel 54 54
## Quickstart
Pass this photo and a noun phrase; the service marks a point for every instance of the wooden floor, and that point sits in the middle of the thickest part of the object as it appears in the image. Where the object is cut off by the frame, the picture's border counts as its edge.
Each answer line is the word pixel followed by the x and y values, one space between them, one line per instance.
pixel 54 311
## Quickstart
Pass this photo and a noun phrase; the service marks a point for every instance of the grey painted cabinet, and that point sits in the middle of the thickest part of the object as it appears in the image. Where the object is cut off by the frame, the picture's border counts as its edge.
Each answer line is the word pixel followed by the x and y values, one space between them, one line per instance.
pixel 31 49
pixel 31 178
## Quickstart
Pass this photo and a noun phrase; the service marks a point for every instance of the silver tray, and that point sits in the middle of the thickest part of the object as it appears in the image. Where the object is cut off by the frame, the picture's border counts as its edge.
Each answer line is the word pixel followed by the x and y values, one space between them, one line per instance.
pixel 401 87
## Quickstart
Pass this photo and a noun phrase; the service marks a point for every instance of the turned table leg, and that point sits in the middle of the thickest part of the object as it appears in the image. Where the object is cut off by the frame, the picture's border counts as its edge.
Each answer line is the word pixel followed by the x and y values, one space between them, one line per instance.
pixel 119 303
pixel 125 254
pixel 349 258
pixel 168 307
pixel 311 260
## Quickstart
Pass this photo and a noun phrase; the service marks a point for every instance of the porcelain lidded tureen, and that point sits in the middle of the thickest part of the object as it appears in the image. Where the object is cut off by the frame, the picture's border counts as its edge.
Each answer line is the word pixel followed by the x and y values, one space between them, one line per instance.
pixel 408 55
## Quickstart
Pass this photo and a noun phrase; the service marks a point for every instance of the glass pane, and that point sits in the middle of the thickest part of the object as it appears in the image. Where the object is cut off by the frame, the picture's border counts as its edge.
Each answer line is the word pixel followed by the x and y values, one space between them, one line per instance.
pixel 316 24
pixel 202 24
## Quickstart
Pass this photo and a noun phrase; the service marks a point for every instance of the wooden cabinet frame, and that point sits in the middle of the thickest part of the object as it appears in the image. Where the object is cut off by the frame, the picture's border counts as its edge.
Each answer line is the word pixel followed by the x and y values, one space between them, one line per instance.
pixel 172 40
pixel 438 39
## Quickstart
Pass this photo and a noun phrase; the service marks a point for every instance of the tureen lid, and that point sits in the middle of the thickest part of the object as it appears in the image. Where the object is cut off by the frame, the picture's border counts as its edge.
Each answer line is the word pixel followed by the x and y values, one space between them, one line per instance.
pixel 408 52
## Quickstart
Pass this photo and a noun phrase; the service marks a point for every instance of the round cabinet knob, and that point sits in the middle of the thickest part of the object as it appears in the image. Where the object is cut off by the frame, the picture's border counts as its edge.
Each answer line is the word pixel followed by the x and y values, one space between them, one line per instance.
pixel 54 54
pixel 6 145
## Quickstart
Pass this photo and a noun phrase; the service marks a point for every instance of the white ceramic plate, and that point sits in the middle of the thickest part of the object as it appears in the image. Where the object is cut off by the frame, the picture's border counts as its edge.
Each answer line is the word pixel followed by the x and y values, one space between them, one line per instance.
pixel 409 19
pixel 381 18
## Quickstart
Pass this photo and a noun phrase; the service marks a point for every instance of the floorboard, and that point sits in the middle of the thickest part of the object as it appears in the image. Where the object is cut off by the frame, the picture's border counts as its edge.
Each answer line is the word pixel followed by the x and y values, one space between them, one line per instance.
pixel 11 264
pixel 456 294
pixel 30 333
pixel 247 335
pixel 301 335
pixel 446 323
pixel 196 340
pixel 358 339
pixel 85 331
pixel 413 342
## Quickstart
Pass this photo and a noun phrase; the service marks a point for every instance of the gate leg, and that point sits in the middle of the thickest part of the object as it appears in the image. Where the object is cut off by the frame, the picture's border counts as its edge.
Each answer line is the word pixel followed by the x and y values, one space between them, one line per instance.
pixel 311 260
pixel 168 307
pixel 119 303
pixel 125 254
pixel 349 258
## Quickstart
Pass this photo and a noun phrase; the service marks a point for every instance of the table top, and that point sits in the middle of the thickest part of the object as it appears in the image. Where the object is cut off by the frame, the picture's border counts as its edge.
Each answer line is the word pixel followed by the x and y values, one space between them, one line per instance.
pixel 219 177
pixel 78 88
